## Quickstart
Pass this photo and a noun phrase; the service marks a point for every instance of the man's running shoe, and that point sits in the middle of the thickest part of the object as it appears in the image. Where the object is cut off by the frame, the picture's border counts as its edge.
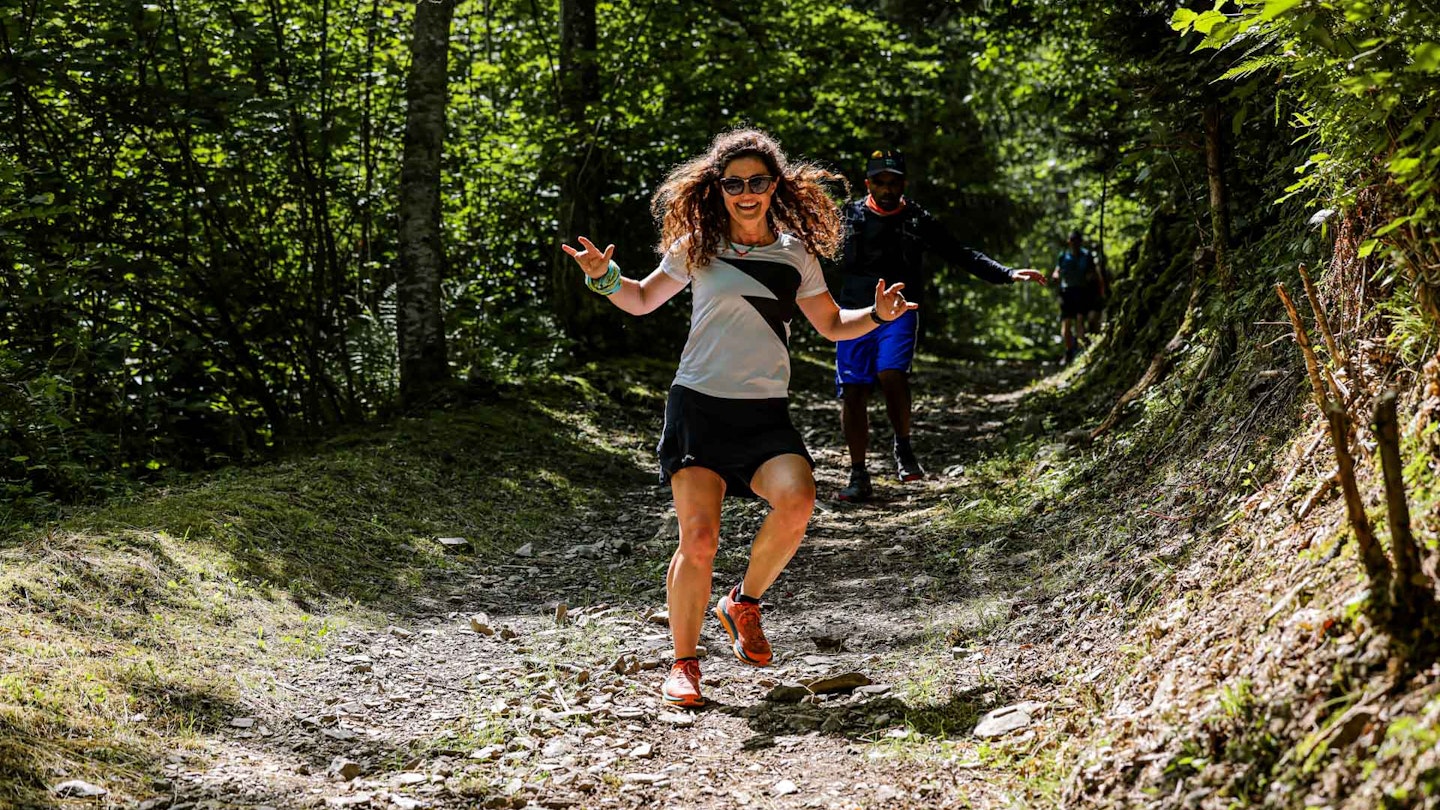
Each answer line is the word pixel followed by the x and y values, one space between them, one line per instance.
pixel 858 489
pixel 742 621
pixel 682 686
pixel 906 465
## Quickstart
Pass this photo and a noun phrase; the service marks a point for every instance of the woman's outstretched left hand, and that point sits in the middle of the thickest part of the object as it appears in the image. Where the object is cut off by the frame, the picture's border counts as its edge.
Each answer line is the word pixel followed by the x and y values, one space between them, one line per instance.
pixel 889 303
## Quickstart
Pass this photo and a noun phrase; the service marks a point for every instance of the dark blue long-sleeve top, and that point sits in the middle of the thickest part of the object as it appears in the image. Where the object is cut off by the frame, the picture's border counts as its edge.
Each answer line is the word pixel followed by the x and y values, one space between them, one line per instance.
pixel 892 247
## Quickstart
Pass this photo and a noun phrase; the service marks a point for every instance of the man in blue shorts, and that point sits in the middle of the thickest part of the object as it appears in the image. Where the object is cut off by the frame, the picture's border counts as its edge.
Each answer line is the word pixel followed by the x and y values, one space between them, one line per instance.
pixel 886 237
pixel 1082 294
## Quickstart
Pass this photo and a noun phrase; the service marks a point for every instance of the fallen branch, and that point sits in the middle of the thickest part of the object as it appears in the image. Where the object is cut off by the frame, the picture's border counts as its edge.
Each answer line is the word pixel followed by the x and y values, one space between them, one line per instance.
pixel 1377 566
pixel 1414 591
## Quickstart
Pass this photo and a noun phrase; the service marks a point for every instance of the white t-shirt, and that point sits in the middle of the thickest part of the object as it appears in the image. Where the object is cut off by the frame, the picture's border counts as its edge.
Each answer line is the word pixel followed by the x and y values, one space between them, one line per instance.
pixel 740 317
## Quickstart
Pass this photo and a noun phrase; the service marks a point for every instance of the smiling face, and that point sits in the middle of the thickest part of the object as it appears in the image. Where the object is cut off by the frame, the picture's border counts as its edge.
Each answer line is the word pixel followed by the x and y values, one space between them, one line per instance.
pixel 747 209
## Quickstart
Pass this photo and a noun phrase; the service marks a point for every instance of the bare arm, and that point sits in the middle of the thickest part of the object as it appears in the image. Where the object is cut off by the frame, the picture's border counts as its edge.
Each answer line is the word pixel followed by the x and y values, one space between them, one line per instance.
pixel 835 324
pixel 635 297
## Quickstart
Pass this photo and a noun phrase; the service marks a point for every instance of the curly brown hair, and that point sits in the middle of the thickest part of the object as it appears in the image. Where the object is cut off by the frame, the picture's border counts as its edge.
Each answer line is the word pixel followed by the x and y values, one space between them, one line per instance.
pixel 689 203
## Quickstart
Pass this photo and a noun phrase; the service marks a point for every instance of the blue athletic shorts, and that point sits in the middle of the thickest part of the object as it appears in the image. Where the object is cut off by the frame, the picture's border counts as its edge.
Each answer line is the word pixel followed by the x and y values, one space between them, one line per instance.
pixel 889 347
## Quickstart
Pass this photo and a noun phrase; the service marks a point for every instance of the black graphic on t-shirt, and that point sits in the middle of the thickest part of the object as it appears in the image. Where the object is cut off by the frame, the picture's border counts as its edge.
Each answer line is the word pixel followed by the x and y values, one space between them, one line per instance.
pixel 779 278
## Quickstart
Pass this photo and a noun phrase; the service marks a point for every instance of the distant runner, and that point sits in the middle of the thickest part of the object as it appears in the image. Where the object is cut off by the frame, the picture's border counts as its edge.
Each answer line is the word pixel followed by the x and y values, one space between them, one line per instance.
pixel 743 227
pixel 886 236
pixel 1082 294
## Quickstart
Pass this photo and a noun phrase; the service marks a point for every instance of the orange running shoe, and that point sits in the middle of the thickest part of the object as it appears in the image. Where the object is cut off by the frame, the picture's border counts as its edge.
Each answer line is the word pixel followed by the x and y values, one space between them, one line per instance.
pixel 682 686
pixel 742 621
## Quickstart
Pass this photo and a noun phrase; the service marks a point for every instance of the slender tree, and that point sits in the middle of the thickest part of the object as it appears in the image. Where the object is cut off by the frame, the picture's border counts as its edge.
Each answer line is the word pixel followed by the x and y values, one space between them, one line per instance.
pixel 423 364
pixel 580 181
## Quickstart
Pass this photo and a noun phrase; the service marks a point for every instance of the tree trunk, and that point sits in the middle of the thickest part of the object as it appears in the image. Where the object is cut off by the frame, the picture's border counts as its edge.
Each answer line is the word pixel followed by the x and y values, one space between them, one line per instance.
pixel 1220 226
pixel 423 366
pixel 575 307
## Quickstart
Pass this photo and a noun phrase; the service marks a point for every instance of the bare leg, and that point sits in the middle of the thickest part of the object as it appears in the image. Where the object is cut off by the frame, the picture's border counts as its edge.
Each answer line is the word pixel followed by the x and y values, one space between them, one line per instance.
pixel 896 385
pixel 697 493
pixel 788 485
pixel 1067 334
pixel 855 422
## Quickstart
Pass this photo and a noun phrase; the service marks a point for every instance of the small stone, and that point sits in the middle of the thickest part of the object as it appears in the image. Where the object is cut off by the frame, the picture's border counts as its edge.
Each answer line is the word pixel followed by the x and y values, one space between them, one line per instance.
pixel 452 542
pixel 784 788
pixel 346 769
pixel 677 719
pixel 785 693
pixel 660 617
pixel 77 789
pixel 836 683
pixel 242 722
pixel 404 802
pixel 758 742
pixel 562 611
pixel 669 529
pixel 480 623
pixel 527 550
pixel 398 632
pixel 507 634
pixel 642 751
pixel 643 778
pixel 590 552
pixel 1006 719
pixel 830 638
pixel 348 801
pixel 873 690
pixel 625 664
pixel 411 778
pixel 886 793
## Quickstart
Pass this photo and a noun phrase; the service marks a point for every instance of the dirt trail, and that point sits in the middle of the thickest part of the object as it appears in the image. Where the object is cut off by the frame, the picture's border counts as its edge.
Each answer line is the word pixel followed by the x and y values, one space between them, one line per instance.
pixel 431 713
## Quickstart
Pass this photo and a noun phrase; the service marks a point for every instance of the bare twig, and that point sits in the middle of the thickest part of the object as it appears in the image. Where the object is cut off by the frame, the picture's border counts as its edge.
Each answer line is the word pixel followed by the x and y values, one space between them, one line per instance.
pixel 1414 591
pixel 1323 322
pixel 1377 566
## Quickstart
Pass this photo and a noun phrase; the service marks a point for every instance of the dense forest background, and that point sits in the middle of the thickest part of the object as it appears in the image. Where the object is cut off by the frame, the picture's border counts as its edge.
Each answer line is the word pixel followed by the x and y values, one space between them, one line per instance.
pixel 202 217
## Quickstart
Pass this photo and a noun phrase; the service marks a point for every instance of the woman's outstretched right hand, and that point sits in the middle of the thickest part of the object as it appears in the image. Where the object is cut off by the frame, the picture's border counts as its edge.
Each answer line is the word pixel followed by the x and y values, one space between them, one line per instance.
pixel 591 259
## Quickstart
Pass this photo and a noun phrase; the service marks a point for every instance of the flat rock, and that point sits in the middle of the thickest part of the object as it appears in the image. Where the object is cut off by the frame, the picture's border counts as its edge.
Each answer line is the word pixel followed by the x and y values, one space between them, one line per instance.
pixel 842 682
pixel 784 788
pixel 242 722
pixel 660 617
pixel 527 550
pixel 452 542
pixel 77 789
pixel 1007 719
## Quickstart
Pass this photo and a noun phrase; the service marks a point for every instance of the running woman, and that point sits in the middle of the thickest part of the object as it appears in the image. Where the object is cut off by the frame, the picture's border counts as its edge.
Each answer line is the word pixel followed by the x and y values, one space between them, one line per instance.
pixel 743 227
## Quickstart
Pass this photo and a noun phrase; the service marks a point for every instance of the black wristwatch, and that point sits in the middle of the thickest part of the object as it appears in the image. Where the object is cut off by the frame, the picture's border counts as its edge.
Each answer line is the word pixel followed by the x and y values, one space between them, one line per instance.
pixel 875 316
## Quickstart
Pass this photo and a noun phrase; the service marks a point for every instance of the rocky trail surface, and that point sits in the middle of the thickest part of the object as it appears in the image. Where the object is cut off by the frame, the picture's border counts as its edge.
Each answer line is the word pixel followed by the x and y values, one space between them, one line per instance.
pixel 535 682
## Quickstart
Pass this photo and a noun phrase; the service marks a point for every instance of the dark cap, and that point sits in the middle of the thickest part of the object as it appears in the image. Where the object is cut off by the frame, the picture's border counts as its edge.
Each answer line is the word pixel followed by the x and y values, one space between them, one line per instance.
pixel 885 160
pixel 1075 236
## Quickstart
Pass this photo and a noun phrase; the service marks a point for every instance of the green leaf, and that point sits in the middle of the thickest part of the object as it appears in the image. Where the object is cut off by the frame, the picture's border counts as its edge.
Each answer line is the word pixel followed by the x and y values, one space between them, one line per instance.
pixel 1426 58
pixel 1183 19
pixel 1207 21
pixel 1274 8
pixel 1368 247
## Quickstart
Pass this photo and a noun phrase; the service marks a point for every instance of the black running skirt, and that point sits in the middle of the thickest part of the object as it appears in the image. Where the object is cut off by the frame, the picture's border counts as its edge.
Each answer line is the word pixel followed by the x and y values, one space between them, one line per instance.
pixel 730 437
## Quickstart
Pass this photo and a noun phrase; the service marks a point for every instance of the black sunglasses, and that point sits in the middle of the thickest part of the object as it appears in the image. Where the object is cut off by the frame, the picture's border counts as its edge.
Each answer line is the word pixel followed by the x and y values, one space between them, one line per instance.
pixel 759 184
